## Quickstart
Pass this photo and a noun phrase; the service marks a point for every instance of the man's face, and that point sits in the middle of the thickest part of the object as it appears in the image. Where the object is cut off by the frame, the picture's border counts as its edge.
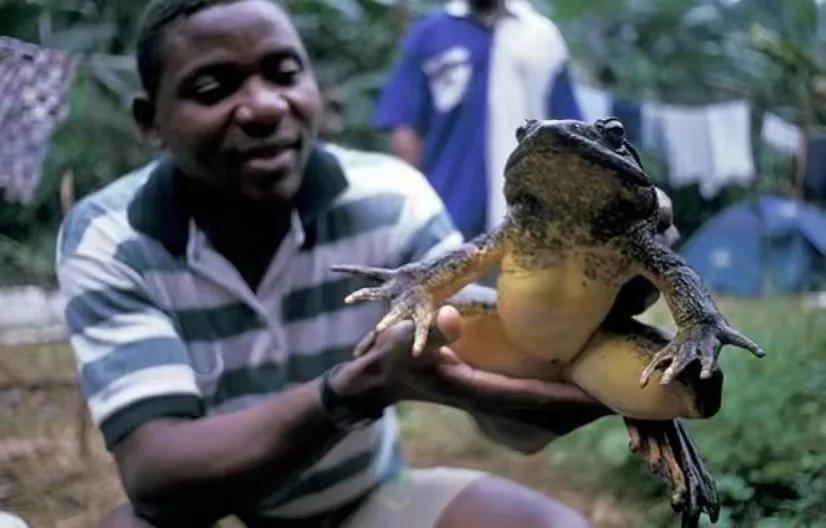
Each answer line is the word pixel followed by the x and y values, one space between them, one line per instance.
pixel 485 5
pixel 237 104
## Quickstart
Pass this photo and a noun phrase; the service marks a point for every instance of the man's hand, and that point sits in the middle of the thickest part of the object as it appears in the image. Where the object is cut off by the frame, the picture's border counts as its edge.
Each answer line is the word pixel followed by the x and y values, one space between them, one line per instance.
pixel 387 371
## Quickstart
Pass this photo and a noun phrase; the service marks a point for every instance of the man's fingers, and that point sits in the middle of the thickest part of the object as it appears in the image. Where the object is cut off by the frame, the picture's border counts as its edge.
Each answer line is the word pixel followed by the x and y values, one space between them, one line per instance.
pixel 401 336
pixel 449 323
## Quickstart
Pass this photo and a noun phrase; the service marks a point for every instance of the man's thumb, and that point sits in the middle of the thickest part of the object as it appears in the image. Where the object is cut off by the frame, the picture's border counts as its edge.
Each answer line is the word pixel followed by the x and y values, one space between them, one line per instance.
pixel 448 324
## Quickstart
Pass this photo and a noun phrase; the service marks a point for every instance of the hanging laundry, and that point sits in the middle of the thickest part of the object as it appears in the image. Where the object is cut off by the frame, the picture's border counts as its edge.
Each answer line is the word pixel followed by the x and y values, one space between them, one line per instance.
pixel 814 177
pixel 594 103
pixel 651 137
pixel 732 154
pixel 34 84
pixel 682 138
pixel 781 134
pixel 709 145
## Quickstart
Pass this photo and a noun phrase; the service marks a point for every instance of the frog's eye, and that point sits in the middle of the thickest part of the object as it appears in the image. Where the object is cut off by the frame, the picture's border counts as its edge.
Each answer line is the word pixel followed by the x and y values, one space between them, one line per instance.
pixel 526 127
pixel 613 131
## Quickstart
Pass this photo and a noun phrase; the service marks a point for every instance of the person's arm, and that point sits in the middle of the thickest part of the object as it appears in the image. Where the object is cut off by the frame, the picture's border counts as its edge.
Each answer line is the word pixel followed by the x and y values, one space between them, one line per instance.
pixel 178 467
pixel 406 144
pixel 404 103
pixel 173 468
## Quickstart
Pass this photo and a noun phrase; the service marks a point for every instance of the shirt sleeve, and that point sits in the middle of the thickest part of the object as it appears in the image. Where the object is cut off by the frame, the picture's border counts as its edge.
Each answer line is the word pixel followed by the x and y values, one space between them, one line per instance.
pixel 562 102
pixel 405 98
pixel 427 230
pixel 132 364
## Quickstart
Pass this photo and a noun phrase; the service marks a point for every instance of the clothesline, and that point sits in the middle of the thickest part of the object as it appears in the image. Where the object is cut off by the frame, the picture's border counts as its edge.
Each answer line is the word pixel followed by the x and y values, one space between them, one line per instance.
pixel 705 144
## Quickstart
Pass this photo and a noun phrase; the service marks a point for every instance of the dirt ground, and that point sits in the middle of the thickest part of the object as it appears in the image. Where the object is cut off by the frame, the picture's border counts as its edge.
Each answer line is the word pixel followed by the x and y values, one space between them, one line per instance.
pixel 55 473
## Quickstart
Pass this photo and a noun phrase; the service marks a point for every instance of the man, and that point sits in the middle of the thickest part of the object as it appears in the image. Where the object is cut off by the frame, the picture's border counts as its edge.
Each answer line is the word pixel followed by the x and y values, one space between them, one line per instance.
pixel 213 343
pixel 469 75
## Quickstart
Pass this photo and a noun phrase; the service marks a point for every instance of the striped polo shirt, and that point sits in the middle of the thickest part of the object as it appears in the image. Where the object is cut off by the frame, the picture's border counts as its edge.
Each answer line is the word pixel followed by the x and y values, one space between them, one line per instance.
pixel 162 325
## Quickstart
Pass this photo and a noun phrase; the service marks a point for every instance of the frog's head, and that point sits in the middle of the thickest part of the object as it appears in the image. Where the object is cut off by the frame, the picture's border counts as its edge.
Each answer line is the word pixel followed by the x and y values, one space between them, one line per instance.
pixel 579 167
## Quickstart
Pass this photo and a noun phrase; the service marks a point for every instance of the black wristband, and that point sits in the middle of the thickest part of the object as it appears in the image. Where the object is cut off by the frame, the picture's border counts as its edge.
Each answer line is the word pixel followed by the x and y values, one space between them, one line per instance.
pixel 348 412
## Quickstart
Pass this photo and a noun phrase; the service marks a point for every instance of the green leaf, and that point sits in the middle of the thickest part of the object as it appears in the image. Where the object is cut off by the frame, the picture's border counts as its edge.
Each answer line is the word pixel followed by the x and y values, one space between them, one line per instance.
pixel 801 17
pixel 571 9
pixel 82 37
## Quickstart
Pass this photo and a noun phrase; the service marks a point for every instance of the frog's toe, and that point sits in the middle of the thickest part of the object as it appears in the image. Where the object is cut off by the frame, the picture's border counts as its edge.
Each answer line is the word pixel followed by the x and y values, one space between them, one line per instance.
pixel 396 314
pixel 376 274
pixel 685 355
pixel 730 336
pixel 694 343
pixel 702 342
pixel 423 317
pixel 662 357
pixel 367 294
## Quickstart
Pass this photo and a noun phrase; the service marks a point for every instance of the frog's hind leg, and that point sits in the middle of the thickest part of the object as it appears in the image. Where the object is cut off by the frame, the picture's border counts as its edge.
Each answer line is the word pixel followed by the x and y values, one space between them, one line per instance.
pixel 669 451
pixel 611 362
pixel 609 368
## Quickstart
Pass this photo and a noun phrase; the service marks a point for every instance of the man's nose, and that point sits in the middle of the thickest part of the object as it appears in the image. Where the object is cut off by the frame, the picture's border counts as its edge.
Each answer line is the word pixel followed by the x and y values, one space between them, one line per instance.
pixel 263 107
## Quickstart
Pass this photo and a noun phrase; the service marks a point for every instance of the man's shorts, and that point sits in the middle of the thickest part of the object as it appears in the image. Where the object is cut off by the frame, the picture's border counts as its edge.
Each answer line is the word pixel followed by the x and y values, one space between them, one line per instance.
pixel 415 499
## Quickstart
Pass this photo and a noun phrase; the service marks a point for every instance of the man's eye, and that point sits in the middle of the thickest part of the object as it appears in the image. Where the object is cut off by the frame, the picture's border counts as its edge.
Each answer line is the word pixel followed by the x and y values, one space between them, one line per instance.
pixel 208 90
pixel 285 71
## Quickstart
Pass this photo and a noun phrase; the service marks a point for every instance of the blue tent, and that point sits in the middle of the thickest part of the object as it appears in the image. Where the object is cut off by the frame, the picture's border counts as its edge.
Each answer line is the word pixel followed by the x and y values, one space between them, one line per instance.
pixel 766 245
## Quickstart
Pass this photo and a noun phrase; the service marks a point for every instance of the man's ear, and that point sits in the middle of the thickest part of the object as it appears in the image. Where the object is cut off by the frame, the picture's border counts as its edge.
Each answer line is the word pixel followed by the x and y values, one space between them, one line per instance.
pixel 143 110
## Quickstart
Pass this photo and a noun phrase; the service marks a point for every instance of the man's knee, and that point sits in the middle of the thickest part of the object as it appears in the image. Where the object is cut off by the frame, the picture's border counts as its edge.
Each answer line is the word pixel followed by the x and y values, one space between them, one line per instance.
pixel 492 502
pixel 123 517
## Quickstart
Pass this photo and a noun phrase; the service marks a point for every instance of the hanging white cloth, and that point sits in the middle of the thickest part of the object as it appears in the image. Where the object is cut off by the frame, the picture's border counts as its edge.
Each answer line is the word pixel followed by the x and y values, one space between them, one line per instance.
pixel 781 134
pixel 527 52
pixel 594 103
pixel 705 144
pixel 731 152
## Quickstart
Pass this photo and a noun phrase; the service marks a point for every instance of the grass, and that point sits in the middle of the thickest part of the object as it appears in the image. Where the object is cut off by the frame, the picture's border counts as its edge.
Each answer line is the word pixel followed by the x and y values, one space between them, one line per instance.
pixel 48 478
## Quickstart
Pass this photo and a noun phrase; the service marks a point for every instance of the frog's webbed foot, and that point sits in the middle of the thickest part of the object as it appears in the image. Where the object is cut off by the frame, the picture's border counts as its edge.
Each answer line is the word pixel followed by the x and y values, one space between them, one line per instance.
pixel 699 341
pixel 668 449
pixel 407 289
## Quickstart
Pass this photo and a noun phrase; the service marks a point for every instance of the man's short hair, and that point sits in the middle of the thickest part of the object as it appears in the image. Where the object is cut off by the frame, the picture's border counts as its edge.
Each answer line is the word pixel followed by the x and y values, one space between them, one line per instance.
pixel 157 18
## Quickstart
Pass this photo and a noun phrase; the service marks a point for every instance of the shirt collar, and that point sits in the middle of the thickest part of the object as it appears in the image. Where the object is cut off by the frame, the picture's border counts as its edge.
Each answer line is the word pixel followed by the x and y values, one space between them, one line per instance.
pixel 160 210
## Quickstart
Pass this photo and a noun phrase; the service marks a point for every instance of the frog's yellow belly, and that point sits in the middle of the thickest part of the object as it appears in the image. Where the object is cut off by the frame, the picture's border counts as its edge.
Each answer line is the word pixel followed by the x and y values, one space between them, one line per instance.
pixel 551 313
pixel 550 326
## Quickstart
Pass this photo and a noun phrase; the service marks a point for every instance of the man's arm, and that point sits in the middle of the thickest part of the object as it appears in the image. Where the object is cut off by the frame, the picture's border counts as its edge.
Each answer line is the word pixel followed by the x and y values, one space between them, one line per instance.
pixel 172 468
pixel 178 467
pixel 404 102
pixel 406 144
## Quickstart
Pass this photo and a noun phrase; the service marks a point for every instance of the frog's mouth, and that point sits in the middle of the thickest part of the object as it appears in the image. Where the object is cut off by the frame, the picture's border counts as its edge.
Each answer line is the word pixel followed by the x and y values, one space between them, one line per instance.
pixel 554 139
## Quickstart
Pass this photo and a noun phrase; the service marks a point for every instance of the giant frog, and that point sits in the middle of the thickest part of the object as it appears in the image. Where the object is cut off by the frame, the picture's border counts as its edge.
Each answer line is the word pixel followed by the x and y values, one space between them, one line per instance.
pixel 582 222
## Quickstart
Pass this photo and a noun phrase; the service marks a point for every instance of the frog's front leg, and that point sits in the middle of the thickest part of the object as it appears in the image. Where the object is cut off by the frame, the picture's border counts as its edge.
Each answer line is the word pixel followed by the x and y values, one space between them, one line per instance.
pixel 701 328
pixel 417 290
